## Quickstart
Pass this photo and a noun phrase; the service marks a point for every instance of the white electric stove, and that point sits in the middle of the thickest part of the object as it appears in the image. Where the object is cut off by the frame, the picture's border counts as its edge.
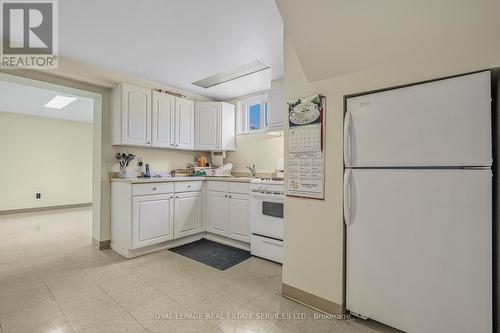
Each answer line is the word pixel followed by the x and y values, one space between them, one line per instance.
pixel 266 218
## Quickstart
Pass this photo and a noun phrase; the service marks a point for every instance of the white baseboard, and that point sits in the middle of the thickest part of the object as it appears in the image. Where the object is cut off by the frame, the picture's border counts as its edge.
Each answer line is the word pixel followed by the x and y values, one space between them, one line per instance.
pixel 132 253
pixel 44 208
pixel 228 241
pixel 129 253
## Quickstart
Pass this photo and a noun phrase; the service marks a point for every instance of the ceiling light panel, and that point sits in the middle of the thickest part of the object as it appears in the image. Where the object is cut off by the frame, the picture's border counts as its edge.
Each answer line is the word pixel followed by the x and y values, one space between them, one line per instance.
pixel 60 102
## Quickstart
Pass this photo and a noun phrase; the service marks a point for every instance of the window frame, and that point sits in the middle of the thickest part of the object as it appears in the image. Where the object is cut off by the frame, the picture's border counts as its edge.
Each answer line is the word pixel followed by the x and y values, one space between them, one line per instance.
pixel 245 104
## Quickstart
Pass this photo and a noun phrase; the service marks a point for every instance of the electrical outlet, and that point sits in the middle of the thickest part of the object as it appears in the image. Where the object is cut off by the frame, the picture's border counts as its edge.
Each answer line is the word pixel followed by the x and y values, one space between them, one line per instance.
pixel 38 195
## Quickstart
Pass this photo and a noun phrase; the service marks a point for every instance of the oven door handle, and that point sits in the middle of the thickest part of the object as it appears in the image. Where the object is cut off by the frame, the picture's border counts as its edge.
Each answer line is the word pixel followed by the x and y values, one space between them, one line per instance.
pixel 267 196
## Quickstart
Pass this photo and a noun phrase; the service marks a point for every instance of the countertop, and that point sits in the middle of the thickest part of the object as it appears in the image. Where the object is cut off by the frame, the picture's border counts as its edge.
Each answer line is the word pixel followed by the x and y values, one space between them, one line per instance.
pixel 180 179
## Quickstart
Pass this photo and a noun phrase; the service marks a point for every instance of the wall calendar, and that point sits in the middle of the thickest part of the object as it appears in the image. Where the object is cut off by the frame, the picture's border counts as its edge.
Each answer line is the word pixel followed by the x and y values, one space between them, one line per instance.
pixel 306 157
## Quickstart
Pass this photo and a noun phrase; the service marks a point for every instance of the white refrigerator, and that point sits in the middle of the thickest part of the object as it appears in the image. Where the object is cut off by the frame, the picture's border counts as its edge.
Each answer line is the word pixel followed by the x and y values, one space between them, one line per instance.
pixel 418 206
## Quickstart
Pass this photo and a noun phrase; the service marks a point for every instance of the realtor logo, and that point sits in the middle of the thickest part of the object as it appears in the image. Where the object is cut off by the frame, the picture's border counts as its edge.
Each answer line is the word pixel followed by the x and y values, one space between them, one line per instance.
pixel 29 34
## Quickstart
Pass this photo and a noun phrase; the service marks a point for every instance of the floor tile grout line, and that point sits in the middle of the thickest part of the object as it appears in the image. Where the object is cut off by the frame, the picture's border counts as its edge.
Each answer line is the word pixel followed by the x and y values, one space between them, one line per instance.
pixel 57 303
pixel 103 291
pixel 125 309
pixel 116 301
pixel 149 283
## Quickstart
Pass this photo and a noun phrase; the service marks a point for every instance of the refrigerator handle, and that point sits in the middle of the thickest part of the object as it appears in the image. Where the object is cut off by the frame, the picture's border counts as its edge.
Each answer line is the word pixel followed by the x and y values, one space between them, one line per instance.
pixel 347 197
pixel 347 139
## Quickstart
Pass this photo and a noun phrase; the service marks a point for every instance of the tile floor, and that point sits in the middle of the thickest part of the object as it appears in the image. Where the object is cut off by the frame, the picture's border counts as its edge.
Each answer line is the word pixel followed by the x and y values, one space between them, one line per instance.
pixel 51 280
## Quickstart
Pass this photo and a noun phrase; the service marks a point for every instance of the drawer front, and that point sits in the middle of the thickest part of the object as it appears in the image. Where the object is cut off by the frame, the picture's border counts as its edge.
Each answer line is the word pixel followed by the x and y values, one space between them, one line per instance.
pixel 218 186
pixel 243 188
pixel 152 188
pixel 267 248
pixel 188 186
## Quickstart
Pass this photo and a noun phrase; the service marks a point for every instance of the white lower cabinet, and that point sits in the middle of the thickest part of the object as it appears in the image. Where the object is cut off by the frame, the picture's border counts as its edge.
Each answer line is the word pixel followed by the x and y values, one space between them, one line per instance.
pixel 228 215
pixel 152 219
pixel 187 219
pixel 145 217
pixel 238 217
pixel 217 219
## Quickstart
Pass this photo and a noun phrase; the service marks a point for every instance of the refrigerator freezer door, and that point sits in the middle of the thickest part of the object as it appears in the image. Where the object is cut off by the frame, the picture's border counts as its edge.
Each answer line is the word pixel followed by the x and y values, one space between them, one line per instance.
pixel 419 249
pixel 441 123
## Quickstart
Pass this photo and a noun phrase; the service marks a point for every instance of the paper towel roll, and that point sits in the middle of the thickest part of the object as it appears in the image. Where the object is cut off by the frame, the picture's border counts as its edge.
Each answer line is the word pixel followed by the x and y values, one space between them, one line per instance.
pixel 218 158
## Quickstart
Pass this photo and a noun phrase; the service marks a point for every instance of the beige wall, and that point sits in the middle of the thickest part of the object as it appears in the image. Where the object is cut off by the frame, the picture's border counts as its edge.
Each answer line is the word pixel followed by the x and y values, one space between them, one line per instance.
pixel 158 159
pixel 263 150
pixel 313 251
pixel 51 156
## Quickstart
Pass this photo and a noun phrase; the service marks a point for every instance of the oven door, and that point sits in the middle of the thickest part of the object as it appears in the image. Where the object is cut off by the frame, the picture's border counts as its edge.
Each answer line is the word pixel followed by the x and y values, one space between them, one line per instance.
pixel 266 215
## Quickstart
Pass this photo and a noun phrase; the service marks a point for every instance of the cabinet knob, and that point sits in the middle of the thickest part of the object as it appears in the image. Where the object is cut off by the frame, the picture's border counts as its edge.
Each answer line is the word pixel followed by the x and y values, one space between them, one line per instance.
pixel 148 142
pixel 171 144
pixel 154 188
pixel 230 196
pixel 188 186
pixel 177 197
pixel 225 196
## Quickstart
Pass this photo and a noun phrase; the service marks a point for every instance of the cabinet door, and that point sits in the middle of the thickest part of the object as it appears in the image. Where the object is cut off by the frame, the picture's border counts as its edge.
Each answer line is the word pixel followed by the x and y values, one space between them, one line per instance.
pixel 238 217
pixel 276 109
pixel 136 115
pixel 228 124
pixel 187 219
pixel 184 123
pixel 163 120
pixel 207 126
pixel 217 205
pixel 152 219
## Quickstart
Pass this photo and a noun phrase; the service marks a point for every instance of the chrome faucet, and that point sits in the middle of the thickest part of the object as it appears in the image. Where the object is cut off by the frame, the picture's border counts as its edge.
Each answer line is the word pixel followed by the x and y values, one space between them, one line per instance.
pixel 252 170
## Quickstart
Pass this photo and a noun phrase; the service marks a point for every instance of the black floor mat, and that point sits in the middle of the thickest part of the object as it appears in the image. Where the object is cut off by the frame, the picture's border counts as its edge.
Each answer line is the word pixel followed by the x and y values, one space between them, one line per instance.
pixel 213 254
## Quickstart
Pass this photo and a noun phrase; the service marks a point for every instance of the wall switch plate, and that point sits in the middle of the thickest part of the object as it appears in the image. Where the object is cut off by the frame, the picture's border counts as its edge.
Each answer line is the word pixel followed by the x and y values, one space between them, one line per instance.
pixel 38 195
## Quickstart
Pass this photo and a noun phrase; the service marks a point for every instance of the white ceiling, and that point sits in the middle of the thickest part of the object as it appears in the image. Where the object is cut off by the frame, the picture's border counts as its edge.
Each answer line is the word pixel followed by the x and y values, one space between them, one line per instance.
pixel 176 42
pixel 337 37
pixel 17 98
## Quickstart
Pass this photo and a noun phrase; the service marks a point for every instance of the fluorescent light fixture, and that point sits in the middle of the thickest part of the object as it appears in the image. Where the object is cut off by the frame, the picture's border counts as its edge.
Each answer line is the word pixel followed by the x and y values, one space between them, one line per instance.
pixel 60 102
pixel 248 68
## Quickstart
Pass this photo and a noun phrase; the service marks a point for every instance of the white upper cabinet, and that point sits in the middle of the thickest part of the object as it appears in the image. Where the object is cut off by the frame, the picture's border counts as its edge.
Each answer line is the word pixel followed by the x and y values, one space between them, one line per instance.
pixel 131 116
pixel 184 123
pixel 214 126
pixel 147 118
pixel 276 109
pixel 163 120
pixel 228 127
pixel 208 125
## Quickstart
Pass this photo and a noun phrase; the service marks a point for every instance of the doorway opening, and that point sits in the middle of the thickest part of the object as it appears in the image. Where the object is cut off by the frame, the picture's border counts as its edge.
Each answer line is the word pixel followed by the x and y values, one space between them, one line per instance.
pixel 50 143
